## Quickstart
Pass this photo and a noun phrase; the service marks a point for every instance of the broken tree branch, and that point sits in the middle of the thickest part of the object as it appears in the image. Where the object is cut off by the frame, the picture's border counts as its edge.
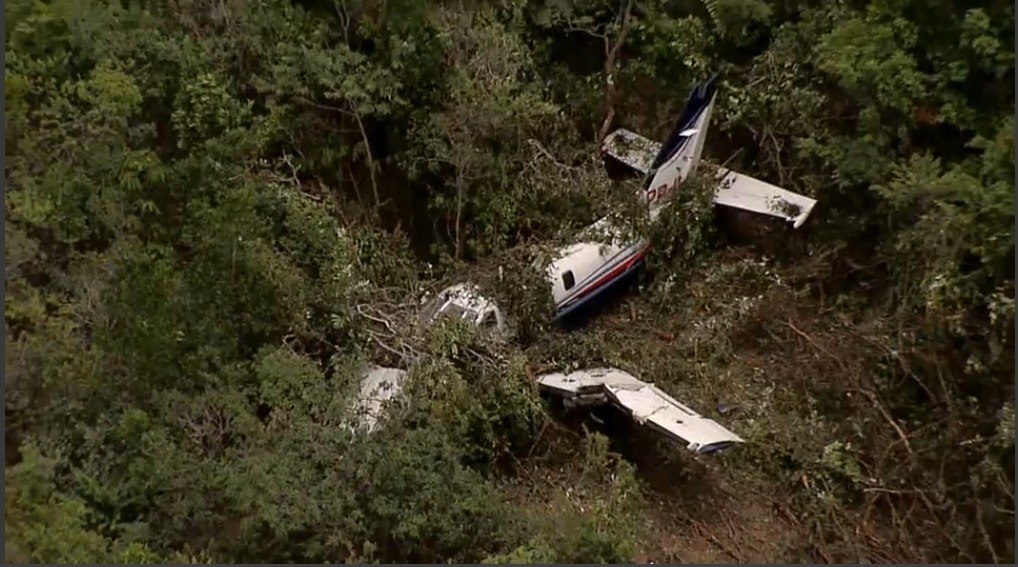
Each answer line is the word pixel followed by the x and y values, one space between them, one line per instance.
pixel 887 416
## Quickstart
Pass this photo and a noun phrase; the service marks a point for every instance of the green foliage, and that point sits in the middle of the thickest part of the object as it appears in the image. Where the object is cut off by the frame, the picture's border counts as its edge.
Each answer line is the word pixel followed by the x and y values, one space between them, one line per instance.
pixel 954 247
pixel 201 197
pixel 478 394
pixel 45 525
pixel 732 18
pixel 683 233
pixel 871 61
pixel 204 109
pixel 479 139
pixel 424 503
pixel 604 533
pixel 518 284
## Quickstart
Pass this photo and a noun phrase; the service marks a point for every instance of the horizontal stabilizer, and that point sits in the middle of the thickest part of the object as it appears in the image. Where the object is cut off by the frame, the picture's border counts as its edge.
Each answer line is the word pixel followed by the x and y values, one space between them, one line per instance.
pixel 631 149
pixel 741 191
pixel 644 402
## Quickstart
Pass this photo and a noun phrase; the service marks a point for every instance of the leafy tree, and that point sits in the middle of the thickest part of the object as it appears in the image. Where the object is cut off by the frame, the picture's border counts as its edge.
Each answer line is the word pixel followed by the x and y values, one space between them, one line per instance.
pixel 208 202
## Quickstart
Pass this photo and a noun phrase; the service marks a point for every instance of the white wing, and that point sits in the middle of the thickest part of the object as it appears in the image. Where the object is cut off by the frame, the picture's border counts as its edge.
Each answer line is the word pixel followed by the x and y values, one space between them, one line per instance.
pixel 644 402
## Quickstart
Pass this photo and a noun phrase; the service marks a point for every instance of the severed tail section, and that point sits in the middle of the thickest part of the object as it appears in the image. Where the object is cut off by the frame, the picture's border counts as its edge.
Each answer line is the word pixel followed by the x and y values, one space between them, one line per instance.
pixel 680 154
pixel 666 166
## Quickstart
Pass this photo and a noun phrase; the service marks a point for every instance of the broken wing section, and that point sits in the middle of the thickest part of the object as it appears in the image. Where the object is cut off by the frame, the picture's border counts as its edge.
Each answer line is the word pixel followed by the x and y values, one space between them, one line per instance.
pixel 631 149
pixel 644 402
pixel 648 405
pixel 378 386
pixel 740 191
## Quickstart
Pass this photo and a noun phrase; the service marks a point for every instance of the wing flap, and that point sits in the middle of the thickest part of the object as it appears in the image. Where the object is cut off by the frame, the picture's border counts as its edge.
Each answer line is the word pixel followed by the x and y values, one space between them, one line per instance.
pixel 740 191
pixel 631 149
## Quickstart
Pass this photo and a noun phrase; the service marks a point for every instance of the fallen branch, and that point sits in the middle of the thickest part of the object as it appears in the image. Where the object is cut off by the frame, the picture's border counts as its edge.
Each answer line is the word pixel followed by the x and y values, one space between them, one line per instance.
pixel 887 416
pixel 538 438
pixel 360 311
pixel 702 530
pixel 544 151
pixel 816 345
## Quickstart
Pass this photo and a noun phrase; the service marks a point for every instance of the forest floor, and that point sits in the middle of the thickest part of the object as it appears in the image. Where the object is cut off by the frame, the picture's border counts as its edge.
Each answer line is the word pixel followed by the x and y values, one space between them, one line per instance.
pixel 725 523
pixel 747 336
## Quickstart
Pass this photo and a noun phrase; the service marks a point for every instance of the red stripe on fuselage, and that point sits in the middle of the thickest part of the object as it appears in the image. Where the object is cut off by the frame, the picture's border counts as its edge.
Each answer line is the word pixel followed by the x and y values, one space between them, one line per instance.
pixel 615 272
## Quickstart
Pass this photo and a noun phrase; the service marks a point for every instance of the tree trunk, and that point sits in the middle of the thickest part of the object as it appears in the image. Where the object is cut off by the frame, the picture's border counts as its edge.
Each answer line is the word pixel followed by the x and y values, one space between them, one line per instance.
pixel 459 218
pixel 611 54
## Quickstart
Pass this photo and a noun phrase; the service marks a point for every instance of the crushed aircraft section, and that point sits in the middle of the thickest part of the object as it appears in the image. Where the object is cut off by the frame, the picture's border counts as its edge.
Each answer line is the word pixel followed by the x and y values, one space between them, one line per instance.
pixel 464 301
pixel 378 386
pixel 645 403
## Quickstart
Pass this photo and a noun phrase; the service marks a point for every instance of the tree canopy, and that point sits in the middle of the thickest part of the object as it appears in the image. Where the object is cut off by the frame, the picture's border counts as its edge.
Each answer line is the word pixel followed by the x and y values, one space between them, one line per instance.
pixel 217 213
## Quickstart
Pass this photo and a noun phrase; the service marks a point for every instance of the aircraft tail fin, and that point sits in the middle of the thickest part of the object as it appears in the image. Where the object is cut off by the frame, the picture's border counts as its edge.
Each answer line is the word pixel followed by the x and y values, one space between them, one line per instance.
pixel 667 165
pixel 680 154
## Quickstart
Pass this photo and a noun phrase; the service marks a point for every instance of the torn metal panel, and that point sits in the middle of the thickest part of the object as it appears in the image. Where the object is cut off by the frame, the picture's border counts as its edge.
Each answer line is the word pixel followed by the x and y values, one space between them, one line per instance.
pixel 741 191
pixel 464 301
pixel 584 388
pixel 378 386
pixel 631 149
pixel 645 403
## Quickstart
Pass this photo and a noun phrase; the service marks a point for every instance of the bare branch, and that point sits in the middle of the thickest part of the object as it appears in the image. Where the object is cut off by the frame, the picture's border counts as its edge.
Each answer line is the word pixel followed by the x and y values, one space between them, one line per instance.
pixel 611 56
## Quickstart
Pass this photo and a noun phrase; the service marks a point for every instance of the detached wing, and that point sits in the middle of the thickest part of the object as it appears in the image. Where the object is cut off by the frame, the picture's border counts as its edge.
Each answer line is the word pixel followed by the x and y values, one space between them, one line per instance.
pixel 648 405
pixel 741 191
pixel 645 403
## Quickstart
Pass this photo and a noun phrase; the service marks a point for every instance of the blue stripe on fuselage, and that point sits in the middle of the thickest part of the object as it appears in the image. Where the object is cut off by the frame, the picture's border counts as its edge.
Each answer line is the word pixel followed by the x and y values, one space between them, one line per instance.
pixel 566 311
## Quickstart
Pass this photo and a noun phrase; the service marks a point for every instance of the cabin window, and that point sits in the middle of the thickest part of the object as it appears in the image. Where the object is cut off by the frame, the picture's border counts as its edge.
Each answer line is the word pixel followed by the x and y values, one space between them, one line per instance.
pixel 568 281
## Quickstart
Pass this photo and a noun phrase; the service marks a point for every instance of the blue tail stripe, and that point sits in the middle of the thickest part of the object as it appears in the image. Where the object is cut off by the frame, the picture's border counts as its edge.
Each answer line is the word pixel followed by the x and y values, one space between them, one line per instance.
pixel 698 100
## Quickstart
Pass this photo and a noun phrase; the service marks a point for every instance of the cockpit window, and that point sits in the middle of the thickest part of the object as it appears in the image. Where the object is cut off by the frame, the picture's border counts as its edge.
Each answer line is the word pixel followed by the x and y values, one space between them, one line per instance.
pixel 568 281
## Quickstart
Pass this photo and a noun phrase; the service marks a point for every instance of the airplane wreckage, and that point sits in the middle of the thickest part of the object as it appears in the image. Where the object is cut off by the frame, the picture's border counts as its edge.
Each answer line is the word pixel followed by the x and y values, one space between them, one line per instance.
pixel 584 270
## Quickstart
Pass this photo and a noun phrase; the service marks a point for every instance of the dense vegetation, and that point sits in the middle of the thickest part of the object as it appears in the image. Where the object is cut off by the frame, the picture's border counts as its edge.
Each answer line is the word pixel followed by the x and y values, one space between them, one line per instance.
pixel 218 211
